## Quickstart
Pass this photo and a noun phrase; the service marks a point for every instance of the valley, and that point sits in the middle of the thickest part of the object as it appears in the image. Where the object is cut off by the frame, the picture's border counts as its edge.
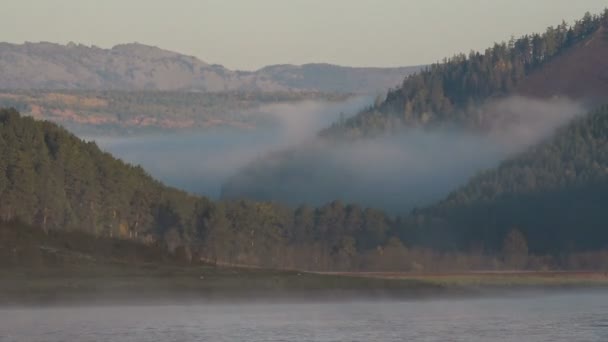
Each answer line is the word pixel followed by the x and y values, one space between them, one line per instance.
pixel 487 171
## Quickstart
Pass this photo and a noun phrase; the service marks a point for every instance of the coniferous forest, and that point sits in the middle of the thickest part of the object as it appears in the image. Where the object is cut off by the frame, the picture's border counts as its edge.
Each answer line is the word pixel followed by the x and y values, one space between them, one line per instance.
pixel 453 90
pixel 541 209
pixel 55 181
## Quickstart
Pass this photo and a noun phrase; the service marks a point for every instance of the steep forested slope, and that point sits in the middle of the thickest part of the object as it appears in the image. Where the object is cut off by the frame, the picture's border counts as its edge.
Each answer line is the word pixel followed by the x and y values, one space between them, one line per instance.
pixel 564 61
pixel 51 179
pixel 555 194
pixel 463 94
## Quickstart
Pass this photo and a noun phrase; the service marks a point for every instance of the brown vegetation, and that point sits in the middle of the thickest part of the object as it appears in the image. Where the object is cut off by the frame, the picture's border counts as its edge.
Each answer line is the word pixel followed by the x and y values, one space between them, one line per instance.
pixel 580 72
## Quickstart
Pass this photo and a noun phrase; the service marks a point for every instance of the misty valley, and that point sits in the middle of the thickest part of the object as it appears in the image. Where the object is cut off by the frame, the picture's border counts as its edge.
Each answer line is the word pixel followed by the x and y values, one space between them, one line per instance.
pixel 395 172
pixel 148 195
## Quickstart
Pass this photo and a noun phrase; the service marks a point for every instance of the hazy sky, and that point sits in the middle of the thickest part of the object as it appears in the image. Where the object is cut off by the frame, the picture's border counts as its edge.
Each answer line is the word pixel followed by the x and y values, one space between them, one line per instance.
pixel 248 34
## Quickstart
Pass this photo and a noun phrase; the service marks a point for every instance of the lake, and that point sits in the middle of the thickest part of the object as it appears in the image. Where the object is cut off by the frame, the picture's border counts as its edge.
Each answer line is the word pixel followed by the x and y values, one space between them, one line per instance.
pixel 527 317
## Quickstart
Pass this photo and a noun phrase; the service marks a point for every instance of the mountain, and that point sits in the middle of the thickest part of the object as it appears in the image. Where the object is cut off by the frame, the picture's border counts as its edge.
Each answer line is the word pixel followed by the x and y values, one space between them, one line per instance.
pixel 580 72
pixel 554 194
pixel 332 78
pixel 51 179
pixel 141 67
pixel 77 194
pixel 565 61
pixel 540 209
pixel 453 116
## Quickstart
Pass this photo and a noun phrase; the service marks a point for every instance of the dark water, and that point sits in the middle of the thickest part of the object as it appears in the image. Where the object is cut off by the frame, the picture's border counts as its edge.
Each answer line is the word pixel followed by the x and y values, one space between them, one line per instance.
pixel 556 317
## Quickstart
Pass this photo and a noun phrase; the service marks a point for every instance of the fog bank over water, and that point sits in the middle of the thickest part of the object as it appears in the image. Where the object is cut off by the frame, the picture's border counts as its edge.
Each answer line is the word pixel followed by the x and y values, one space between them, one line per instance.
pixel 200 162
pixel 395 173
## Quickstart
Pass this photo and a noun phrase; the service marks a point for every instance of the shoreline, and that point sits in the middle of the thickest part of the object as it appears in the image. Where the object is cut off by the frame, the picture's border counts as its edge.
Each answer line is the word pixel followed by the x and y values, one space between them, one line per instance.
pixel 168 285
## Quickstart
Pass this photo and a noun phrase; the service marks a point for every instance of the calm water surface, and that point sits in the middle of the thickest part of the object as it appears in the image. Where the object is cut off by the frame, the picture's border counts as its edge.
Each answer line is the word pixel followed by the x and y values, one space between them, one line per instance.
pixel 555 317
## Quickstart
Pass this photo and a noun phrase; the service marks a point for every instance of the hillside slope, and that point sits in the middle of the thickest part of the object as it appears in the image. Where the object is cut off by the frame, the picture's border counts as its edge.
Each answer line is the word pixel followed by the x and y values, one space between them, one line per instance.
pixel 53 180
pixel 565 61
pixel 555 194
pixel 141 67
pixel 515 83
pixel 580 72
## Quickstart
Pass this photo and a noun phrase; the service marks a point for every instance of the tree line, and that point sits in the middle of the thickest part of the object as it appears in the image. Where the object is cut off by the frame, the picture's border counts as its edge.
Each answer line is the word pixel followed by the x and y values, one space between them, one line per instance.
pixel 51 179
pixel 554 193
pixel 451 90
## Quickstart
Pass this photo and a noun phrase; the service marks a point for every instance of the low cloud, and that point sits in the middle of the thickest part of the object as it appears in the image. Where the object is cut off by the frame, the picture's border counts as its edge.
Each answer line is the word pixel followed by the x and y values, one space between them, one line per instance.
pixel 402 171
pixel 283 160
pixel 199 162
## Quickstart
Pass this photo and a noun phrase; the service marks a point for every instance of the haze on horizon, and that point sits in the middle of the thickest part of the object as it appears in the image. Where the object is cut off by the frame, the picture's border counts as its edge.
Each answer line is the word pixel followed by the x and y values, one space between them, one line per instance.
pixel 247 35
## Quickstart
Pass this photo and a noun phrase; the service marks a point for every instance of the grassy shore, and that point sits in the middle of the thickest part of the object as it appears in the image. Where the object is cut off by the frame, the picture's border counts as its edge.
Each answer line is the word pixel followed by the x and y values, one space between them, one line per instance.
pixel 119 283
pixel 145 283
pixel 70 267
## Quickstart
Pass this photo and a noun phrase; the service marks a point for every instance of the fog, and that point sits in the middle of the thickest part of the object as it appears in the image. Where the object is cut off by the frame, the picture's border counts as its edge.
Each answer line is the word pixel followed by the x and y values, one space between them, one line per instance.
pixel 400 172
pixel 395 173
pixel 200 162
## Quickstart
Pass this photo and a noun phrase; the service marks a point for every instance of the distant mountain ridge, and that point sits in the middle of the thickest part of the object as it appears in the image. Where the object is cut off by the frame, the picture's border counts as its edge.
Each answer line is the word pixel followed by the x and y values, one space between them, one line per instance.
pixel 141 67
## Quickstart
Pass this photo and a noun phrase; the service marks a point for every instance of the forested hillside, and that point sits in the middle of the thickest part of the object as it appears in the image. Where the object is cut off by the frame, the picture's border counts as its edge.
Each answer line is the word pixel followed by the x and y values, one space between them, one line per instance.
pixel 478 94
pixel 543 207
pixel 53 180
pixel 555 194
pixel 452 91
